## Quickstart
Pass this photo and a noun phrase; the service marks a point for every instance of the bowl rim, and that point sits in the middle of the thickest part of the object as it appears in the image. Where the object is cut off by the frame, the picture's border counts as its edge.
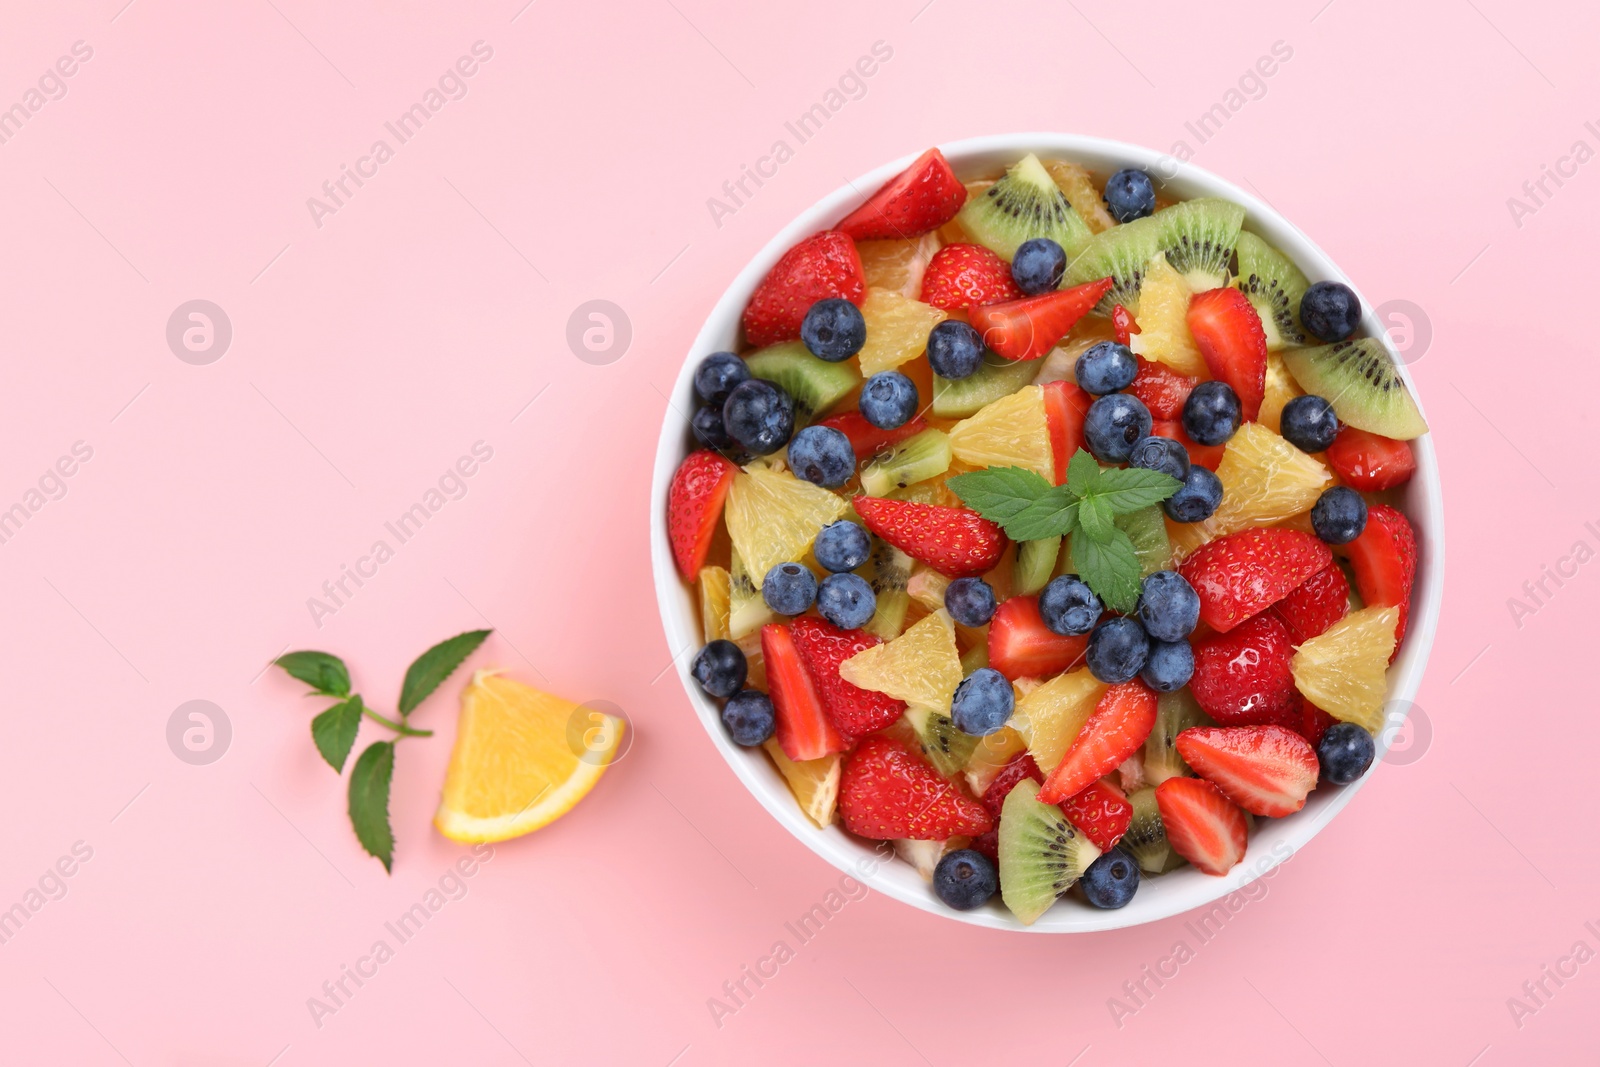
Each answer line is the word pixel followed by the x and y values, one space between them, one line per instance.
pixel 1273 841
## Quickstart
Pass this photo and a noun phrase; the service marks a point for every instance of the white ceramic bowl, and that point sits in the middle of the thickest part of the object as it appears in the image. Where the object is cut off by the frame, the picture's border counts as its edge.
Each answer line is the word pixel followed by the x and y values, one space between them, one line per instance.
pixel 1274 840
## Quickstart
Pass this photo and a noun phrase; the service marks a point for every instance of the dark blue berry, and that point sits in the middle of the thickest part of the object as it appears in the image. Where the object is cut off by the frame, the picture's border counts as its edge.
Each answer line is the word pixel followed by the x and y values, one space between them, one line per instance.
pixel 1339 515
pixel 970 601
pixel 823 456
pixel 1169 607
pixel 1345 752
pixel 955 349
pixel 965 879
pixel 1111 880
pixel 1118 649
pixel 1308 423
pixel 833 329
pixel 708 429
pixel 1212 413
pixel 1068 606
pixel 1330 311
pixel 1160 454
pixel 1112 426
pixel 1170 666
pixel 749 717
pixel 1129 195
pixel 789 588
pixel 759 415
pixel 1038 265
pixel 888 400
pixel 1199 497
pixel 846 600
pixel 982 703
pixel 1105 367
pixel 842 546
pixel 716 376
pixel 720 668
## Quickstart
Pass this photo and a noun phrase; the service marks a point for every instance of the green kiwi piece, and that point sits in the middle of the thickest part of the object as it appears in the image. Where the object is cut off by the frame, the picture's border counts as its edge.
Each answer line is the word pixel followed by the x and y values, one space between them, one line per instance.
pixel 1198 237
pixel 1034 564
pixel 994 378
pixel 815 384
pixel 1274 286
pixel 1146 839
pixel 1361 382
pixel 1024 204
pixel 973 658
pixel 1041 854
pixel 947 748
pixel 1148 532
pixel 747 612
pixel 1121 254
pixel 916 459
pixel 1175 713
pixel 888 568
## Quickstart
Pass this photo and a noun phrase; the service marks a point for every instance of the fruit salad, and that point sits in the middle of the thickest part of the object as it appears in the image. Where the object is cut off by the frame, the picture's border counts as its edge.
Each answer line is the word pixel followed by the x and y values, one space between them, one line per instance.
pixel 1050 529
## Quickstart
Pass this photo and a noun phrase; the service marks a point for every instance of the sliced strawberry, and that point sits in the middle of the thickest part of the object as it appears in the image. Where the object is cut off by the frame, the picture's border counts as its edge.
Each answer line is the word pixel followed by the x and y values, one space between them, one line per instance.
pixel 1242 678
pixel 1115 730
pixel 823 265
pixel 803 729
pixel 1228 332
pixel 866 440
pixel 888 792
pixel 1369 462
pixel 923 197
pixel 1021 646
pixel 961 276
pixel 1162 389
pixel 1065 408
pixel 853 711
pixel 1315 604
pixel 694 504
pixel 1314 722
pixel 956 542
pixel 1030 327
pixel 1021 768
pixel 1203 826
pixel 1207 456
pixel 1384 558
pixel 1123 325
pixel 1101 811
pixel 988 843
pixel 1245 573
pixel 1266 770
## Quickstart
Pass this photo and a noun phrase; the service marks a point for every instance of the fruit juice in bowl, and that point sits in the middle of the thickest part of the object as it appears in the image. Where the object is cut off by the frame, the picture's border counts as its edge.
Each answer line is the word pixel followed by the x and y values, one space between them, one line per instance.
pixel 1040 523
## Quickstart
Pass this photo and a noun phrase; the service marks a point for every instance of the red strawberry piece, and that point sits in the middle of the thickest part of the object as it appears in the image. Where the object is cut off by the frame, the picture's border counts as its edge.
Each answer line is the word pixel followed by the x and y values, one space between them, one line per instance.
pixel 803 729
pixel 888 792
pixel 1227 330
pixel 961 276
pixel 1245 573
pixel 1123 325
pixel 1242 678
pixel 1315 604
pixel 1162 389
pixel 1114 731
pixel 853 711
pixel 1370 462
pixel 866 440
pixel 694 504
pixel 1266 770
pixel 1030 327
pixel 823 265
pixel 956 542
pixel 1065 407
pixel 988 843
pixel 1021 646
pixel 1314 723
pixel 1384 558
pixel 1020 769
pixel 1207 456
pixel 1203 826
pixel 1101 812
pixel 923 197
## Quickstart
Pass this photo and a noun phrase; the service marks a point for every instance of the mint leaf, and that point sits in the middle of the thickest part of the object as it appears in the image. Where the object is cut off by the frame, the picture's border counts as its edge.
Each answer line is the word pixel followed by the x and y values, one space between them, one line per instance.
pixel 322 672
pixel 1110 567
pixel 1083 473
pixel 1095 518
pixel 1131 489
pixel 334 731
pixel 369 801
pixel 435 665
pixel 999 494
pixel 1053 515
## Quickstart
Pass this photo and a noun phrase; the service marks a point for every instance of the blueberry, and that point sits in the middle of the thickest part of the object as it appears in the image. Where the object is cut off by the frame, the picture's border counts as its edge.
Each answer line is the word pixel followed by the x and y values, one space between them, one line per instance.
pixel 955 349
pixel 1113 424
pixel 982 703
pixel 823 456
pixel 1339 515
pixel 842 546
pixel 888 400
pixel 759 415
pixel 1111 880
pixel 720 668
pixel 1160 454
pixel 1345 752
pixel 749 717
pixel 1130 195
pixel 970 601
pixel 1169 607
pixel 717 374
pixel 965 879
pixel 846 600
pixel 1199 497
pixel 709 430
pixel 1068 606
pixel 1330 311
pixel 789 588
pixel 1170 666
pixel 833 329
pixel 1212 413
pixel 1118 649
pixel 1308 423
pixel 1105 367
pixel 1038 265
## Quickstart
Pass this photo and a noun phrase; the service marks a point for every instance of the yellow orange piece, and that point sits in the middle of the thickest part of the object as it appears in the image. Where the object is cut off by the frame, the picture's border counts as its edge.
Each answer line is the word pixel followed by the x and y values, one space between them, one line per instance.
pixel 897 265
pixel 897 329
pixel 1164 320
pixel 1281 388
pixel 921 667
pixel 1010 432
pixel 1344 669
pixel 1081 192
pixel 715 587
pixel 773 517
pixel 1265 481
pixel 1050 717
pixel 814 782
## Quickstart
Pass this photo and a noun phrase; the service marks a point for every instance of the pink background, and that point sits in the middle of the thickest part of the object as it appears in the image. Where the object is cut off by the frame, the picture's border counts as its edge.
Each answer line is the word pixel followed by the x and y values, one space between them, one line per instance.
pixel 424 315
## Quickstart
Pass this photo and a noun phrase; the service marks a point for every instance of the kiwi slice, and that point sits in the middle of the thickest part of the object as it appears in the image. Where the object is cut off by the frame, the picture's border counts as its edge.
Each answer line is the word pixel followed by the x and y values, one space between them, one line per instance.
pixel 916 459
pixel 747 612
pixel 815 384
pixel 973 658
pixel 947 748
pixel 1274 286
pixel 1024 204
pixel 1121 254
pixel 1148 532
pixel 1360 380
pixel 1198 237
pixel 1175 713
pixel 1146 839
pixel 993 379
pixel 1041 854
pixel 889 568
pixel 1035 563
